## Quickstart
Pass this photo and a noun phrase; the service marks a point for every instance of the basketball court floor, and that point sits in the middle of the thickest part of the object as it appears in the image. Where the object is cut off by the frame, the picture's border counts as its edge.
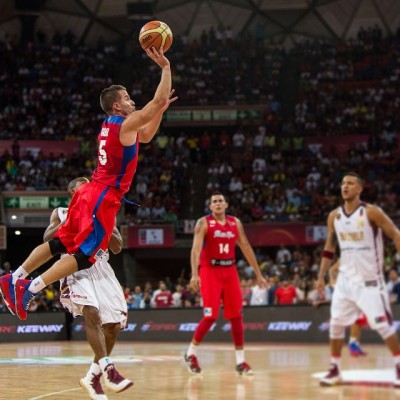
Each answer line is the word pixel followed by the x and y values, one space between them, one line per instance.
pixel 51 370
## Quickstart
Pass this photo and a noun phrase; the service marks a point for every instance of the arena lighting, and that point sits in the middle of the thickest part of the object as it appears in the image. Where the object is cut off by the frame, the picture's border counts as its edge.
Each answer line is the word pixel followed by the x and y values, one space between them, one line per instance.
pixel 17 233
pixel 14 217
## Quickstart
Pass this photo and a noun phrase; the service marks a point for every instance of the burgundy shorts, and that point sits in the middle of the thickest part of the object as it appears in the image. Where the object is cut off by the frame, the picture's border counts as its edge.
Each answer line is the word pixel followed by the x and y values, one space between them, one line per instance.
pixel 220 283
pixel 91 220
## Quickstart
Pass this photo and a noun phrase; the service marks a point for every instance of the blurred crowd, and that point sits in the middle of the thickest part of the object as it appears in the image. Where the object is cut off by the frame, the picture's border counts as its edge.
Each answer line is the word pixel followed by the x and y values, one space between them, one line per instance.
pixel 291 274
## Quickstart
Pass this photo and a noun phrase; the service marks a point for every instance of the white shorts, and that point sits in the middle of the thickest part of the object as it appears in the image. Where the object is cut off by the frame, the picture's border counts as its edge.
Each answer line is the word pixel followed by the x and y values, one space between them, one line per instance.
pixel 96 286
pixel 349 299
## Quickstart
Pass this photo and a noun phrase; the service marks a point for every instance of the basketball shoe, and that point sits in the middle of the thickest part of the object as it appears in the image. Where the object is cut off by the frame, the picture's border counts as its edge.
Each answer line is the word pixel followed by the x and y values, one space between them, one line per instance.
pixel 23 298
pixel 396 382
pixel 192 364
pixel 114 381
pixel 332 378
pixel 93 387
pixel 244 369
pixel 7 290
pixel 356 350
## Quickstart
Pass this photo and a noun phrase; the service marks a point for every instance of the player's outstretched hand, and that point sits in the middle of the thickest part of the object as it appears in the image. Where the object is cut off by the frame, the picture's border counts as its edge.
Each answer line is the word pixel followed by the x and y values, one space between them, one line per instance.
pixel 262 282
pixel 158 57
pixel 170 100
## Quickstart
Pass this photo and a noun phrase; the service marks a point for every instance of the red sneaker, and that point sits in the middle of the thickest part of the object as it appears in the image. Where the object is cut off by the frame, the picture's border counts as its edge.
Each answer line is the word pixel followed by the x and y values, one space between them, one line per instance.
pixel 244 369
pixel 192 364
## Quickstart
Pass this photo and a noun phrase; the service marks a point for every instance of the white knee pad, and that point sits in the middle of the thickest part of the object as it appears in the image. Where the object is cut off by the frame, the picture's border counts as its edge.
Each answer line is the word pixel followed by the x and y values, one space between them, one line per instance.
pixel 336 331
pixel 385 330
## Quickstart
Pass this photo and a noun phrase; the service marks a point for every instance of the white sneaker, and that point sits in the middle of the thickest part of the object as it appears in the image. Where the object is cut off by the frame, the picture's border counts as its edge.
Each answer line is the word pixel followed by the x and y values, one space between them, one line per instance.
pixel 93 387
pixel 332 378
pixel 114 381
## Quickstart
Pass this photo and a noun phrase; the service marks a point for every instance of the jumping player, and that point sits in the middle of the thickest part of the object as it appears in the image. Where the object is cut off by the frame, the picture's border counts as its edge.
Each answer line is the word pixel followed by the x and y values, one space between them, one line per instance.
pixel 96 294
pixel 213 250
pixel 357 227
pixel 91 216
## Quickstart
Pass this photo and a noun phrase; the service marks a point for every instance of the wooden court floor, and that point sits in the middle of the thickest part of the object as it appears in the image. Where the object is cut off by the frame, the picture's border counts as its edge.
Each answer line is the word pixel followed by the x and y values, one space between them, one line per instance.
pixel 51 370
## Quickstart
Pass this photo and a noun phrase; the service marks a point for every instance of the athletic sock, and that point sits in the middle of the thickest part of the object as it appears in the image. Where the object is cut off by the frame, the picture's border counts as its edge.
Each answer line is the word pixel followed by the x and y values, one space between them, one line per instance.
pixel 20 273
pixel 239 356
pixel 37 285
pixel 94 369
pixel 103 362
pixel 192 351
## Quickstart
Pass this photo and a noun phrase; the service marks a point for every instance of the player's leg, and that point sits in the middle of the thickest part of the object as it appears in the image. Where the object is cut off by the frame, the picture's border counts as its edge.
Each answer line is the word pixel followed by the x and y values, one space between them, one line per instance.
pixel 374 302
pixel 38 256
pixel 111 315
pixel 355 349
pixel 211 290
pixel 233 305
pixel 343 312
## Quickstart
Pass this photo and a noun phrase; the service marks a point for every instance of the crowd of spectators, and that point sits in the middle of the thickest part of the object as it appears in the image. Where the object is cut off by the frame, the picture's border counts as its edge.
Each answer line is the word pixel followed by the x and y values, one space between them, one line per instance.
pixel 291 274
pixel 49 90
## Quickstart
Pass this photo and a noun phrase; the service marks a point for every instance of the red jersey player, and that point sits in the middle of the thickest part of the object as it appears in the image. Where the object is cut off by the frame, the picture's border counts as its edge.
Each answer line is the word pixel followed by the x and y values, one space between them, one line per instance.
pixel 213 249
pixel 91 216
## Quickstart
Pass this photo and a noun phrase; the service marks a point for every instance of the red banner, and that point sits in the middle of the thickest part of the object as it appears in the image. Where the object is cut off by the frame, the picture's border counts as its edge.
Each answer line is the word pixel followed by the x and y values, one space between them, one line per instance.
pixel 151 236
pixel 260 235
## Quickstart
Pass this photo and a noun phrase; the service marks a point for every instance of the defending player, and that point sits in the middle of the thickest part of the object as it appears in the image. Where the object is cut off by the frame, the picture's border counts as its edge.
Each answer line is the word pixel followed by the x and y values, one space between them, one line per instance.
pixel 96 294
pixel 357 227
pixel 92 212
pixel 213 250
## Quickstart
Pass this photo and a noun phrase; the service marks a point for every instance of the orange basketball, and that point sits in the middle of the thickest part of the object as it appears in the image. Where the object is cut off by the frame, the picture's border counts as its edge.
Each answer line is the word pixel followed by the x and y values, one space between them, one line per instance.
pixel 155 34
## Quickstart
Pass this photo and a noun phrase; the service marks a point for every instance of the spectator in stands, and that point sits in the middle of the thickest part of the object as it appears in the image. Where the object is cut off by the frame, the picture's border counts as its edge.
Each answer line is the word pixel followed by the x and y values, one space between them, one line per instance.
pixel 162 298
pixel 285 293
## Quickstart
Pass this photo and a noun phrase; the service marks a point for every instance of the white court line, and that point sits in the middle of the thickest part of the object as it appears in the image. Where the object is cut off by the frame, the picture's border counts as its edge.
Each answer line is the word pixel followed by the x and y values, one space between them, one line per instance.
pixel 53 393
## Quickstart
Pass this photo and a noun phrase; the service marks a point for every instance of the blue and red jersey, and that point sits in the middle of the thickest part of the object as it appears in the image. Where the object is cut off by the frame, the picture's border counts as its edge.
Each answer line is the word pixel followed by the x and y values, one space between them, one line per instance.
pixel 116 164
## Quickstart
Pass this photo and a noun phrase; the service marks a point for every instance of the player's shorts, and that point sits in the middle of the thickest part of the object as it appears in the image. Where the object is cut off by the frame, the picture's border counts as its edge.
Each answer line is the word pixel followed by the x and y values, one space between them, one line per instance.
pixel 96 286
pixel 91 220
pixel 349 299
pixel 220 283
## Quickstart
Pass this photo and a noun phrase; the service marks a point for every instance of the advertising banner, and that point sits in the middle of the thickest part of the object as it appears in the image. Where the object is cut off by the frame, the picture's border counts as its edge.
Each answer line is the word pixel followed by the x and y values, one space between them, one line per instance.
pixel 151 236
pixel 38 327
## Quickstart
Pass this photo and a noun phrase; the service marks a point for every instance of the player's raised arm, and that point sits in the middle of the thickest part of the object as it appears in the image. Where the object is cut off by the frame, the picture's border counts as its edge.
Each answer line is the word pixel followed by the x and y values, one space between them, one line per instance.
pixel 153 109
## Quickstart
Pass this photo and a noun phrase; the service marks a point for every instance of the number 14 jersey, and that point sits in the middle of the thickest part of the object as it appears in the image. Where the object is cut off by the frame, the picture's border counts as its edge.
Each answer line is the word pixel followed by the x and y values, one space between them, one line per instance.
pixel 220 242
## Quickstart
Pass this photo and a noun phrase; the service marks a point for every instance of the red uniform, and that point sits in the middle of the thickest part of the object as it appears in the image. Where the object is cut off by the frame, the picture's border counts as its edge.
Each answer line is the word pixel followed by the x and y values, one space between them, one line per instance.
pixel 286 295
pixel 218 274
pixel 94 206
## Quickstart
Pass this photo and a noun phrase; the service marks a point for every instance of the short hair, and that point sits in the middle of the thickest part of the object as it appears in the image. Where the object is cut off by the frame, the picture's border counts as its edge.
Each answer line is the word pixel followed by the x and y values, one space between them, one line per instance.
pixel 355 175
pixel 217 193
pixel 75 182
pixel 109 96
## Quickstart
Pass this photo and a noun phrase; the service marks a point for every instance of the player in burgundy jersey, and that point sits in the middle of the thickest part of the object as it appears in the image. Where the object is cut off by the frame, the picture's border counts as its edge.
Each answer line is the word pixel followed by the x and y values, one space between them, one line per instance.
pixel 214 273
pixel 91 217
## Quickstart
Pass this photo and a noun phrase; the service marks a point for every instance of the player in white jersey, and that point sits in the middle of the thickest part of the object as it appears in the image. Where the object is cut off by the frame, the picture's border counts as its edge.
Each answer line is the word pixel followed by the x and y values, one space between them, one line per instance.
pixel 357 227
pixel 96 294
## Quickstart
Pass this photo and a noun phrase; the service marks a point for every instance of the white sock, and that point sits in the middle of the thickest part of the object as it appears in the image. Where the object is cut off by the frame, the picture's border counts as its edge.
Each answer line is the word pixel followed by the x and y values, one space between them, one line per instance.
pixel 20 273
pixel 336 361
pixel 192 351
pixel 353 340
pixel 94 369
pixel 239 356
pixel 37 285
pixel 103 362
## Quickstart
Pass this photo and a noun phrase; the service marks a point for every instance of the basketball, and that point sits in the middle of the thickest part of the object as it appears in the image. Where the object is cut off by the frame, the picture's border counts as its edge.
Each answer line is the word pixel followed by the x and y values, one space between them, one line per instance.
pixel 155 34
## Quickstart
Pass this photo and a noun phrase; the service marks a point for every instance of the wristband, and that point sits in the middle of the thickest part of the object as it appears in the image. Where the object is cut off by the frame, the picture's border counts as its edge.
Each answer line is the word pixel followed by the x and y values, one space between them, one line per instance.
pixel 328 254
